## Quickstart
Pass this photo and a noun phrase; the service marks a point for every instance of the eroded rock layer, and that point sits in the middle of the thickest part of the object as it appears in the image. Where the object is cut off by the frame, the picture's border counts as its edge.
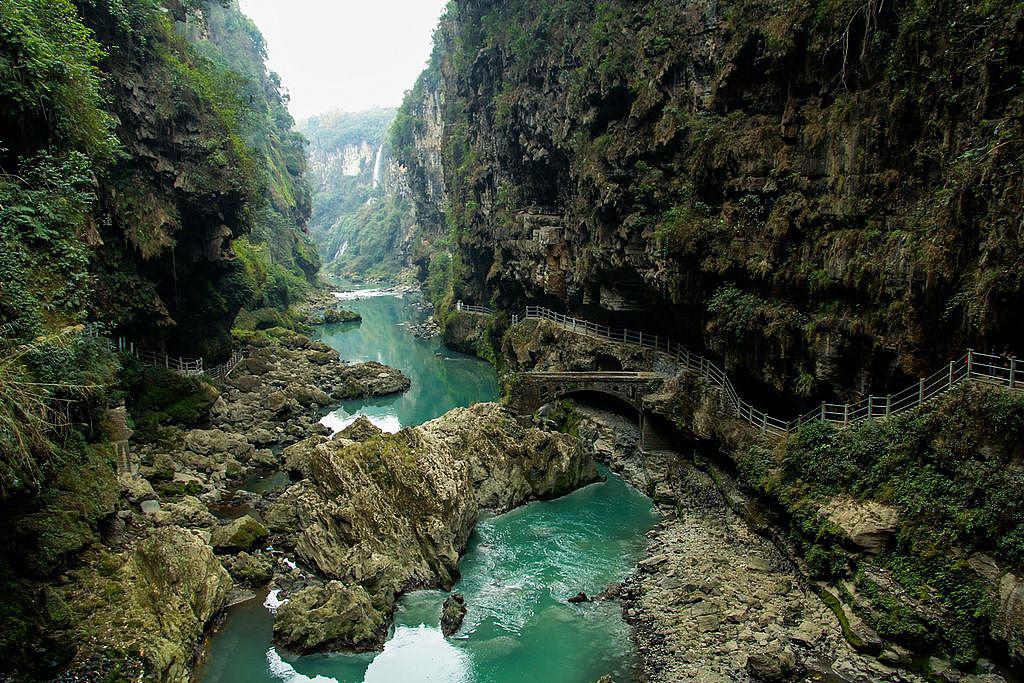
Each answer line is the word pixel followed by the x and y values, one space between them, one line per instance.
pixel 392 512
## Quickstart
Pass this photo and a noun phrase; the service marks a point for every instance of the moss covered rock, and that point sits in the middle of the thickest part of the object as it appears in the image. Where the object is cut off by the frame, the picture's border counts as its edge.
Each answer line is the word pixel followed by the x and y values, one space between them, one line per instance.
pixel 453 611
pixel 341 315
pixel 394 512
pixel 153 602
pixel 253 571
pixel 334 616
pixel 66 518
pixel 244 533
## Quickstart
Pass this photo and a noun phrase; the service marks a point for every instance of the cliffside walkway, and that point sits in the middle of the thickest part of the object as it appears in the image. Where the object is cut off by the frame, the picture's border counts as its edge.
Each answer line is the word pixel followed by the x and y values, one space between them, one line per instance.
pixel 179 364
pixel 185 366
pixel 971 367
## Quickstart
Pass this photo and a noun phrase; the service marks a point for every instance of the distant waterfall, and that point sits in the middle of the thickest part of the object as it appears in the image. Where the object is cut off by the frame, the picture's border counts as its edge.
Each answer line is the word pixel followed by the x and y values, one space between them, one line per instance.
pixel 377 164
pixel 341 251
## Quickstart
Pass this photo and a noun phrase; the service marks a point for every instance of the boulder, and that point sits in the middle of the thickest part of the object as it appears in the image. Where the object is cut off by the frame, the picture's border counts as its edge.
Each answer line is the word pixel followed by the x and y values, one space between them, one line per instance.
pixel 190 512
pixel 1006 591
pixel 774 666
pixel 155 600
pixel 216 442
pixel 150 508
pixel 452 613
pixel 254 570
pixel 333 616
pixel 341 315
pixel 244 533
pixel 370 379
pixel 867 524
pixel 509 463
pixel 136 488
pixel 397 510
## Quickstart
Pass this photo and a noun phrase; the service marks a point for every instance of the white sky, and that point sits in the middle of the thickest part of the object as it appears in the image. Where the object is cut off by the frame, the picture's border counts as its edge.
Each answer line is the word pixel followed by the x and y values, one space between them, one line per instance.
pixel 345 54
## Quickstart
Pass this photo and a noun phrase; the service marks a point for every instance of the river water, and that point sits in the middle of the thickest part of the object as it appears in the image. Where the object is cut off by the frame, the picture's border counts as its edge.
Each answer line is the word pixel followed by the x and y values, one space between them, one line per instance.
pixel 516 574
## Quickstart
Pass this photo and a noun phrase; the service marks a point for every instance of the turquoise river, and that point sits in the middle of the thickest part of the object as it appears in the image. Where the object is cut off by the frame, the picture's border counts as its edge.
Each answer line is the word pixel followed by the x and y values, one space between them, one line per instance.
pixel 516 574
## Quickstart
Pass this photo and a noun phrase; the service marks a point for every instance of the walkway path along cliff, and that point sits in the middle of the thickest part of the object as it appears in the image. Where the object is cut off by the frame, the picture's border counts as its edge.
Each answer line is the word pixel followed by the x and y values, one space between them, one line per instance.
pixel 972 366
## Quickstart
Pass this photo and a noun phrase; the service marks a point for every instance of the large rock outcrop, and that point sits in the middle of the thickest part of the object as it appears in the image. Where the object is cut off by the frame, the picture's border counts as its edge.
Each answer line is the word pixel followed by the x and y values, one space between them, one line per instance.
pixel 1006 592
pixel 394 512
pixel 152 603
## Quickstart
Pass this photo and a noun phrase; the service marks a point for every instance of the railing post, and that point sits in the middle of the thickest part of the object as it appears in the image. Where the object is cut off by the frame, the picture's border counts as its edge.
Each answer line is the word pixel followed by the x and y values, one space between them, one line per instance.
pixel 1013 370
pixel 888 404
pixel 952 366
pixel 871 405
pixel 846 414
pixel 822 411
pixel 641 338
pixel 970 362
pixel 920 392
pixel 458 305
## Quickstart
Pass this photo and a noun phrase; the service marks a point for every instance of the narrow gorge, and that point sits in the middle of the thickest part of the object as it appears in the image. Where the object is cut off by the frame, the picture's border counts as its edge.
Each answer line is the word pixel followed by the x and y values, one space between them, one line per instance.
pixel 636 341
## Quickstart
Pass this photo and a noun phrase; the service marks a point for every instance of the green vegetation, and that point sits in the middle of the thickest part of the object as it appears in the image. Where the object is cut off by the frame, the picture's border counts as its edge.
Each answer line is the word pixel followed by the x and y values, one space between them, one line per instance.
pixel 358 227
pixel 46 387
pixel 236 54
pixel 819 165
pixel 951 471
pixel 156 397
pixel 140 140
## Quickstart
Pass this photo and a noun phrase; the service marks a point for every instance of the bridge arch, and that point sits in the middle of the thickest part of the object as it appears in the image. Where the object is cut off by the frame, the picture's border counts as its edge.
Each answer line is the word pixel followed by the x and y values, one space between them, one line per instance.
pixel 569 393
pixel 531 390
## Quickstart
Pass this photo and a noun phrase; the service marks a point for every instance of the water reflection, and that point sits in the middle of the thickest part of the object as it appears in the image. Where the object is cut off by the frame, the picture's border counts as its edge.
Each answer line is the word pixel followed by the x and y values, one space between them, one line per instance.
pixel 441 379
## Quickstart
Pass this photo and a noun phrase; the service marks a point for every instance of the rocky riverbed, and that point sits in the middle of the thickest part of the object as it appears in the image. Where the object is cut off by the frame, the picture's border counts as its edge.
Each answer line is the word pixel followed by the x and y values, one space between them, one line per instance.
pixel 141 600
pixel 377 515
pixel 712 600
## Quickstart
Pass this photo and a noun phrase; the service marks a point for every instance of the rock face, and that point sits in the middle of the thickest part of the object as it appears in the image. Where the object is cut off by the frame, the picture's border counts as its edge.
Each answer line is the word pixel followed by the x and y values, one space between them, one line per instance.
pixel 394 512
pixel 1007 594
pixel 167 590
pixel 734 169
pixel 508 464
pixel 349 162
pixel 541 345
pixel 453 611
pixel 869 525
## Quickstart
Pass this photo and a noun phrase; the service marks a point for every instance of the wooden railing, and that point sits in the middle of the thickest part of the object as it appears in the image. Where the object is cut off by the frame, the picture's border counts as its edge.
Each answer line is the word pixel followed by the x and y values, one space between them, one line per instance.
pixel 972 366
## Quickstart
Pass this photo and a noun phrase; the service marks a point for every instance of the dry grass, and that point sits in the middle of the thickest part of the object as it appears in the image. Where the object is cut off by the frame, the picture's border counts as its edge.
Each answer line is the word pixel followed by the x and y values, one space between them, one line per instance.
pixel 34 416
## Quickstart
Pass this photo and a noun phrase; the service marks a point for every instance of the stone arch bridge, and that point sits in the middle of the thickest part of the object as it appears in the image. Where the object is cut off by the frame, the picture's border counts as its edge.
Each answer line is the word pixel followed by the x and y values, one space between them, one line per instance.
pixel 531 390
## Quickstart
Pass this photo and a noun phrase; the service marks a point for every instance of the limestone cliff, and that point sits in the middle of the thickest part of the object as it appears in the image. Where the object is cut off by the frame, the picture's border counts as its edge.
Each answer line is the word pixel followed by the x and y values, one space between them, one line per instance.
pixel 362 216
pixel 826 197
pixel 149 139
